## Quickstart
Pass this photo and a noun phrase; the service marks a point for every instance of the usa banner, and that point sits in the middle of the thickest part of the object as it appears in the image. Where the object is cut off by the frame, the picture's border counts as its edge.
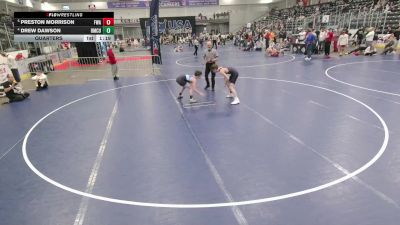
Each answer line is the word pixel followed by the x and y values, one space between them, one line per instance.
pixel 154 31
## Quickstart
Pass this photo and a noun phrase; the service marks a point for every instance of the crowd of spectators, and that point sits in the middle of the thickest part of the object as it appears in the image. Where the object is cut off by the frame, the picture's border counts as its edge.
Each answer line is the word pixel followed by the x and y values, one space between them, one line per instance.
pixel 214 16
pixel 283 18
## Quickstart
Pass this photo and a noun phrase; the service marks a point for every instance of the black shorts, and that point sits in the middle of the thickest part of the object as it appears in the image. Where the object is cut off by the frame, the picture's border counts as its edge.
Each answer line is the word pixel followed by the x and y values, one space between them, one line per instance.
pixel 234 76
pixel 181 80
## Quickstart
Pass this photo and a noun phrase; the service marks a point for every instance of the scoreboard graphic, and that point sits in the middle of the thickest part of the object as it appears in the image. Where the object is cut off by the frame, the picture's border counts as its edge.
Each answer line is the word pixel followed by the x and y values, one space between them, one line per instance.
pixel 64 26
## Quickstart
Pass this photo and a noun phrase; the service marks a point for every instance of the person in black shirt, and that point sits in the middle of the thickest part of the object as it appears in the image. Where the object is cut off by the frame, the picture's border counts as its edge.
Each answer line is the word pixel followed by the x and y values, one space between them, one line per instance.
pixel 397 33
pixel 230 77
pixel 13 91
pixel 360 36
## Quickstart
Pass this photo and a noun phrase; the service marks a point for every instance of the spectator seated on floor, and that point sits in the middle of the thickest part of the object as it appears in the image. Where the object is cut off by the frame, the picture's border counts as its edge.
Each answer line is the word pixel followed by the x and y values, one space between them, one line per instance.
pixel 250 46
pixel 13 90
pixel 41 81
pixel 302 36
pixel 2 93
pixel 178 48
pixel 390 46
pixel 369 52
pixel 285 45
pixel 273 50
pixel 359 50
pixel 258 46
pixel 136 43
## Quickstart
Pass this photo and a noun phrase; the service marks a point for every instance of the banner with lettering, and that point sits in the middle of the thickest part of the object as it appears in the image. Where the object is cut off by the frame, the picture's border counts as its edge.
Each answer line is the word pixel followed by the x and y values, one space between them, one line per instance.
pixel 162 3
pixel 154 31
pixel 172 25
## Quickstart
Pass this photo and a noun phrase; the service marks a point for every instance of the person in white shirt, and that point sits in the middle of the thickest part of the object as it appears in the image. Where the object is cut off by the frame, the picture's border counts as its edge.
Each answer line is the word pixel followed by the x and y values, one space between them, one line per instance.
pixel 196 46
pixel 4 68
pixel 369 51
pixel 41 81
pixel 302 35
pixel 369 38
pixel 321 39
pixel 12 63
pixel 343 42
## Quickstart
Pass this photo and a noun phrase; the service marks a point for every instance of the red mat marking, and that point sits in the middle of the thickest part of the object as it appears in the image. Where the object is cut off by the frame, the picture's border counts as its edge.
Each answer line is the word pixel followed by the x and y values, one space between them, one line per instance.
pixel 65 65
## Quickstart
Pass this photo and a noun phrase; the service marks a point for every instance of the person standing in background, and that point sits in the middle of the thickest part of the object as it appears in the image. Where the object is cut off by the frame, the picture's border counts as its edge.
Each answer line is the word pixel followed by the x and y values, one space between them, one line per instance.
pixel 321 39
pixel 210 58
pixel 201 40
pixel 369 38
pixel 310 42
pixel 196 46
pixel 4 68
pixel 335 41
pixel 266 36
pixel 113 61
pixel 360 36
pixel 190 40
pixel 12 63
pixel 328 42
pixel 343 42
pixel 215 41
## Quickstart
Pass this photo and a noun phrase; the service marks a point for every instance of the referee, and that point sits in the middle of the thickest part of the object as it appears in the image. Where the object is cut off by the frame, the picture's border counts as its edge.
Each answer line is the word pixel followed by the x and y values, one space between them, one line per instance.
pixel 210 58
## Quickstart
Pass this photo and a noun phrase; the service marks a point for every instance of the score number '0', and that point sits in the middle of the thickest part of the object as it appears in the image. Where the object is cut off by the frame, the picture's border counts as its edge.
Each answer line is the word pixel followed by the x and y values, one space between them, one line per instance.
pixel 108 21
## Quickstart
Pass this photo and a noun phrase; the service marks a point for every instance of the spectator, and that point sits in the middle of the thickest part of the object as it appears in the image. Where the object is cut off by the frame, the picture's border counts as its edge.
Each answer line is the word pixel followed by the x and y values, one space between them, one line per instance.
pixel 343 42
pixel 369 51
pixel 215 41
pixel 272 36
pixel 13 90
pixel 321 39
pixel 388 31
pixel 360 36
pixel 113 61
pixel 266 36
pixel 390 46
pixel 196 46
pixel 369 38
pixel 335 41
pixel 282 35
pixel 178 48
pixel 328 42
pixel 302 35
pixel 258 46
pixel 397 33
pixel 310 42
pixel 387 8
pixel 12 64
pixel 41 81
pixel 359 49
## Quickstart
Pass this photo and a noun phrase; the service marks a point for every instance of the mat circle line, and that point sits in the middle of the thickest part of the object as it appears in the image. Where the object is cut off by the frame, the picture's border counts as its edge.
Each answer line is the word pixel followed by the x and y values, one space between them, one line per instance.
pixel 210 205
pixel 250 66
pixel 357 86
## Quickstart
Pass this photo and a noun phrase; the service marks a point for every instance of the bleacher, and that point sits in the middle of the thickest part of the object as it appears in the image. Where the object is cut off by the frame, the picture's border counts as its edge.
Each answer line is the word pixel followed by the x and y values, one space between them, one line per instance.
pixel 351 14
